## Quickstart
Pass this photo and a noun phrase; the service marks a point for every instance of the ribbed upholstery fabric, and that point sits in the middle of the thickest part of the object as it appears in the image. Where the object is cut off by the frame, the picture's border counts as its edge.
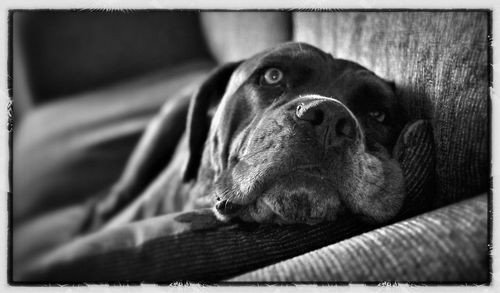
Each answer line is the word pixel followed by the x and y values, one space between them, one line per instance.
pixel 439 61
pixel 206 256
pixel 213 255
pixel 446 245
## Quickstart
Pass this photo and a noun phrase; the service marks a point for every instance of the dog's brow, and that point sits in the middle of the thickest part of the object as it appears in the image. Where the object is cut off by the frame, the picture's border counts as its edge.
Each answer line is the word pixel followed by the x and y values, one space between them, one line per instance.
pixel 246 72
pixel 275 61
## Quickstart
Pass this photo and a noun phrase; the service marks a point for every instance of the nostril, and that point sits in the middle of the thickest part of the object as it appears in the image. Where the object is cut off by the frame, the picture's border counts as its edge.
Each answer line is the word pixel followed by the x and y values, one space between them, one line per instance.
pixel 313 115
pixel 226 207
pixel 318 117
pixel 345 127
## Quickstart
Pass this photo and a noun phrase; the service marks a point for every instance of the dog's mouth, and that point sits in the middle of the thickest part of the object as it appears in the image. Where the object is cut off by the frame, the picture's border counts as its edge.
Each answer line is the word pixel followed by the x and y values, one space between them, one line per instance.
pixel 305 194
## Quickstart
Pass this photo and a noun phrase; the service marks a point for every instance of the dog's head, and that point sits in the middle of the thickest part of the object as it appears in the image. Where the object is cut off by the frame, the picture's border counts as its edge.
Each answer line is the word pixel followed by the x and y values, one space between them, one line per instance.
pixel 293 135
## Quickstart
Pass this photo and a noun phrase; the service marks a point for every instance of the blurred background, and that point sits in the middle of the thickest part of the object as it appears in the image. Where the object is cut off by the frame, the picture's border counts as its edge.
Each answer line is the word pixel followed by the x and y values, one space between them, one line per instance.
pixel 87 83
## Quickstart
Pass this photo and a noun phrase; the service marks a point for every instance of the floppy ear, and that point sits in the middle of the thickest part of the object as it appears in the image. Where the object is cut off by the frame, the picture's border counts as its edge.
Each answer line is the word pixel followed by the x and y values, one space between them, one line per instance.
pixel 206 97
pixel 415 152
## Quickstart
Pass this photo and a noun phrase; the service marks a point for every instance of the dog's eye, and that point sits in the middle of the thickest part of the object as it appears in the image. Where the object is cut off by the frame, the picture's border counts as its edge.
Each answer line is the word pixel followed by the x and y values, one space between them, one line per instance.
pixel 379 116
pixel 272 76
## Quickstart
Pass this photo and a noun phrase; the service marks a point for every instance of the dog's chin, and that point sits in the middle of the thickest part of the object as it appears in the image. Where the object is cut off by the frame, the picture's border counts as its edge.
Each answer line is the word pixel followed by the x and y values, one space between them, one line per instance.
pixel 299 197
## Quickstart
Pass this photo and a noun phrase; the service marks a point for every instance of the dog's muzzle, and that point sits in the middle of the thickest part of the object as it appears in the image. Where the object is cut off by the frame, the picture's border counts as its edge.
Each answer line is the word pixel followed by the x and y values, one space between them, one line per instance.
pixel 328 124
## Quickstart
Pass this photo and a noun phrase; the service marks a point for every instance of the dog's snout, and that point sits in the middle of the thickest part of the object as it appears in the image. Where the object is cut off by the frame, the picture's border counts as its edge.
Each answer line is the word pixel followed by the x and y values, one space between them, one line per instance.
pixel 331 120
pixel 227 208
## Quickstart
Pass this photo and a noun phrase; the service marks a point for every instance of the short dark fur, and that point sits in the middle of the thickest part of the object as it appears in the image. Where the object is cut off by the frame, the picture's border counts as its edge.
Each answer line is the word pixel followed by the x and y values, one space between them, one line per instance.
pixel 252 152
pixel 251 111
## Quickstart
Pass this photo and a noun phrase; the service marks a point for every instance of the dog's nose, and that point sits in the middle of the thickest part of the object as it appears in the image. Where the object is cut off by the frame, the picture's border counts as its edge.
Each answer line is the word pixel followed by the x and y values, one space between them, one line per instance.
pixel 330 119
pixel 227 208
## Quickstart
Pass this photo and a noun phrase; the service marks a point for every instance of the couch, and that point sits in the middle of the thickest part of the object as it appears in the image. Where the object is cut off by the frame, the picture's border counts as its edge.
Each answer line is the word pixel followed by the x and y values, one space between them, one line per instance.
pixel 440 64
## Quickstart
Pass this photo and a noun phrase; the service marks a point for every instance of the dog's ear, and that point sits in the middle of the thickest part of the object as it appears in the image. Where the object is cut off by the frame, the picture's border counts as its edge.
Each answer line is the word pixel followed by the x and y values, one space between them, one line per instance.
pixel 206 97
pixel 415 152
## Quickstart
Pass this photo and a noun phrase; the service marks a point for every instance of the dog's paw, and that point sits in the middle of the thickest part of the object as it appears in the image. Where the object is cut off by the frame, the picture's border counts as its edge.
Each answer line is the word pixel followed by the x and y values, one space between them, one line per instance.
pixel 202 219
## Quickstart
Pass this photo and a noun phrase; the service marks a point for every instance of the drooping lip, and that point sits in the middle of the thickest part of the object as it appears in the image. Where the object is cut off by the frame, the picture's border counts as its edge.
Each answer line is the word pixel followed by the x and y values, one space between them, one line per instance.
pixel 286 219
pixel 314 172
pixel 309 170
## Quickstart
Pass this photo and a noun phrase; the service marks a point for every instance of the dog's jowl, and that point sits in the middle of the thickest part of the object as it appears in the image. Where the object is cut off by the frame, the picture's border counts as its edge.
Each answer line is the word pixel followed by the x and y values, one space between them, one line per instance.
pixel 295 136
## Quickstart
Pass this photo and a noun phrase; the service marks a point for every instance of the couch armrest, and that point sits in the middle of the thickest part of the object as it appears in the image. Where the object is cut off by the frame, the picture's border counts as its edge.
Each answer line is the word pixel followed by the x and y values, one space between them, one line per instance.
pixel 154 250
pixel 446 245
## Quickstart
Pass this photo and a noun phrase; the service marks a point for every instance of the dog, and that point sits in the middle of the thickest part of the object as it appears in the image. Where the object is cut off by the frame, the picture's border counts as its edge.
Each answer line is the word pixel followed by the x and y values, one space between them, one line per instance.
pixel 290 135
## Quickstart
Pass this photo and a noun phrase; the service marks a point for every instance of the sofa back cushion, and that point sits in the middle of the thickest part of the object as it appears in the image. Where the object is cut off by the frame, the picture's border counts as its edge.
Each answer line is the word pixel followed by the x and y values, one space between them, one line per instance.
pixel 232 36
pixel 439 61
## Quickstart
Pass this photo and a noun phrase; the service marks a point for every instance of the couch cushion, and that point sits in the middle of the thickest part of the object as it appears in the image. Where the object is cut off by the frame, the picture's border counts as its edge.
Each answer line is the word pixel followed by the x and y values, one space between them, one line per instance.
pixel 71 149
pixel 446 245
pixel 439 61
pixel 232 36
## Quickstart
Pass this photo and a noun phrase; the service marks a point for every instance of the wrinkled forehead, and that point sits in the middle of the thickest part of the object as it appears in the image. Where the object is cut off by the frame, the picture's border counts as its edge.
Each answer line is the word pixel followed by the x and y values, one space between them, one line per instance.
pixel 284 54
